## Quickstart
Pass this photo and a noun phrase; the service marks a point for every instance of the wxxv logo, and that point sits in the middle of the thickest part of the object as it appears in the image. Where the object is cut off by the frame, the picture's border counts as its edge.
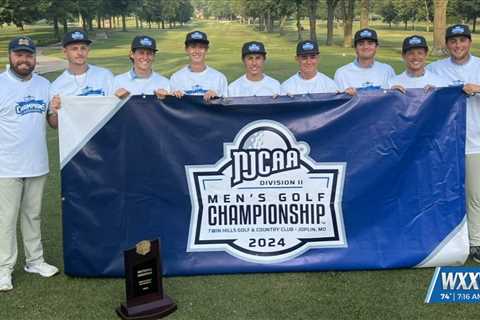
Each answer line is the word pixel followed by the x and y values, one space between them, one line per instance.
pixel 266 200
pixel 454 284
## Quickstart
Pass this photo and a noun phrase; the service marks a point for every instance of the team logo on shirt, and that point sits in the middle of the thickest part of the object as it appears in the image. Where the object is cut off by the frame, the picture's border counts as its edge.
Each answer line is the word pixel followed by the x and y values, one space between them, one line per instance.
pixel 369 86
pixel 89 91
pixel 458 29
pixel 456 83
pixel 77 35
pixel 30 105
pixel 196 90
pixel 266 200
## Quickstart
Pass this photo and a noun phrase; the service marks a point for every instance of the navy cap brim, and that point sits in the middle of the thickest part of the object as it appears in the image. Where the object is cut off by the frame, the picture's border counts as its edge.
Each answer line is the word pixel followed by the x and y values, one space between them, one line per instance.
pixel 23 48
pixel 404 50
pixel 469 36
pixel 308 53
pixel 263 52
pixel 87 42
pixel 142 47
pixel 187 42
pixel 371 39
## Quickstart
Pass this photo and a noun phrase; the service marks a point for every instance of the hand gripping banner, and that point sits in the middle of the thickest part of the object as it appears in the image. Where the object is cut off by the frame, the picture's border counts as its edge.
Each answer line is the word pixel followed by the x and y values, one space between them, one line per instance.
pixel 304 183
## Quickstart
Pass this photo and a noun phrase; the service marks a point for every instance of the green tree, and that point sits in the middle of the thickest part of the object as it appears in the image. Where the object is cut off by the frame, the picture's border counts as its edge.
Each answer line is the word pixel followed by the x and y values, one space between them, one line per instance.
pixel 439 23
pixel 388 11
pixel 19 12
pixel 407 10
pixel 88 10
pixel 123 8
pixel 331 5
pixel 348 11
pixel 364 12
pixel 312 6
pixel 468 11
pixel 184 11
pixel 58 11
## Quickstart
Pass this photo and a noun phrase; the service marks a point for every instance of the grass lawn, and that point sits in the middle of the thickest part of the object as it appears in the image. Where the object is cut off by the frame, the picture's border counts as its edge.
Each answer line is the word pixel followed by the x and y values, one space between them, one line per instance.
pixel 391 294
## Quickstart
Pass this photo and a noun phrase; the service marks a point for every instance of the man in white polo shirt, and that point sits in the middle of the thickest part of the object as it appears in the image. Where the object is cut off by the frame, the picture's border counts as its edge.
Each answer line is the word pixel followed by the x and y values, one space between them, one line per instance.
pixel 414 53
pixel 364 73
pixel 23 161
pixel 254 82
pixel 198 78
pixel 308 79
pixel 80 78
pixel 462 68
pixel 141 79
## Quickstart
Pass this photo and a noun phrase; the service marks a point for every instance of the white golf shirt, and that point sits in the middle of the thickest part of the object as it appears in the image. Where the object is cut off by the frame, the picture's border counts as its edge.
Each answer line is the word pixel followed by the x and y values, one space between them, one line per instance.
pixel 198 83
pixel 428 78
pixel 318 84
pixel 457 74
pixel 136 85
pixel 352 75
pixel 96 81
pixel 242 87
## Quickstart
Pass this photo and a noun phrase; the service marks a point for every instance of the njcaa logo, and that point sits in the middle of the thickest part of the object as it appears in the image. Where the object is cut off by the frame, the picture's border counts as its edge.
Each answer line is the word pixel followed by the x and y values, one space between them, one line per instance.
pixel 248 165
pixel 30 105
pixel 266 200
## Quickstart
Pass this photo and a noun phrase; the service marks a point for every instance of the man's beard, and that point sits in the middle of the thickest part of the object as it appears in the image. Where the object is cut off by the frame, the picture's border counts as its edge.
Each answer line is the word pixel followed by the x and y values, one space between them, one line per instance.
pixel 22 72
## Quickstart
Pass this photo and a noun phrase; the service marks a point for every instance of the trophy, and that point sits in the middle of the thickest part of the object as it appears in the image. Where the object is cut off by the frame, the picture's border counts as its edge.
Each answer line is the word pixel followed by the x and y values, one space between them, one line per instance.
pixel 143 277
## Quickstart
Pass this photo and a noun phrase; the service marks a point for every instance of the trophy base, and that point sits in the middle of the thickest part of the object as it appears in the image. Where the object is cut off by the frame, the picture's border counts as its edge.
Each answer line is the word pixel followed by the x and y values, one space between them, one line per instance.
pixel 147 311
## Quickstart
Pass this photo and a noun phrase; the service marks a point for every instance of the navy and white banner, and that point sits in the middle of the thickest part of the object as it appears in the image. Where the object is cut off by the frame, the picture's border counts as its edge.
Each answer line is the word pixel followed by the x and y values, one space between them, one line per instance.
pixel 314 182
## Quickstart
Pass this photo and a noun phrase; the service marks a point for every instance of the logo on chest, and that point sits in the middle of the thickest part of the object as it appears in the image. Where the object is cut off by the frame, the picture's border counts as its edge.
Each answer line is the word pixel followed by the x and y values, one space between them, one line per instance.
pixel 30 105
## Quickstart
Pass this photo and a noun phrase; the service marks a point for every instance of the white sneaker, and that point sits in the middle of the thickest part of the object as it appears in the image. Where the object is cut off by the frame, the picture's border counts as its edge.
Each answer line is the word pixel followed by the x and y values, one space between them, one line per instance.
pixel 6 282
pixel 44 269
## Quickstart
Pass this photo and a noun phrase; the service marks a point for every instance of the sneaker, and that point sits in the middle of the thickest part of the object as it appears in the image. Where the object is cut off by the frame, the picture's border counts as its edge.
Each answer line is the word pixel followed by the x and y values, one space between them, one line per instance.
pixel 6 282
pixel 44 269
pixel 475 253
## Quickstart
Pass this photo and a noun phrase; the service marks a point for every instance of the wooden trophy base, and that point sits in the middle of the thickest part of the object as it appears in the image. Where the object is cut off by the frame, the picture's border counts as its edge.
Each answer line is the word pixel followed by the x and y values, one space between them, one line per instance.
pixel 147 311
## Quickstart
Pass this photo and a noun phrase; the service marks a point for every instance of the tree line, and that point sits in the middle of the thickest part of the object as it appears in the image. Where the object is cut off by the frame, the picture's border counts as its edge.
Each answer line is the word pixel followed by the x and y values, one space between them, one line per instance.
pixel 272 15
pixel 268 15
pixel 99 14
